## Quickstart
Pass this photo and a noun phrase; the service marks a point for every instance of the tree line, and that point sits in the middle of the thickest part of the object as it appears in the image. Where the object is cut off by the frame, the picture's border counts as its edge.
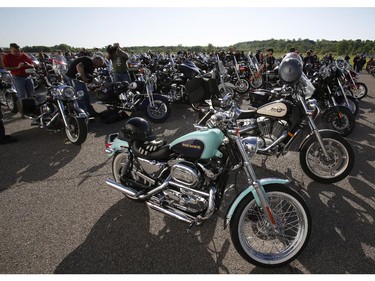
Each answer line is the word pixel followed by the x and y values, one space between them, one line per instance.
pixel 339 48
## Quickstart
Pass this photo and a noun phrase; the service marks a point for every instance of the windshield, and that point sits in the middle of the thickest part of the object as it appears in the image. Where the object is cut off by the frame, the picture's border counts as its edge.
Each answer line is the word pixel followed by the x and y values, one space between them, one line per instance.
pixel 307 86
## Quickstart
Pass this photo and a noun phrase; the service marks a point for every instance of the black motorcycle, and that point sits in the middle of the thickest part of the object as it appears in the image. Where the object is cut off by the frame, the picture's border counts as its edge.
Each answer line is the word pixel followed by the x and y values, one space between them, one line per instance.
pixel 8 92
pixel 137 96
pixel 325 156
pixel 57 110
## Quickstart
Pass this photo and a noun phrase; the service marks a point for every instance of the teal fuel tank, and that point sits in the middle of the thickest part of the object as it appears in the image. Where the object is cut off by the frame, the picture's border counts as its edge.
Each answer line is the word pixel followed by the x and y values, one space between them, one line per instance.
pixel 199 144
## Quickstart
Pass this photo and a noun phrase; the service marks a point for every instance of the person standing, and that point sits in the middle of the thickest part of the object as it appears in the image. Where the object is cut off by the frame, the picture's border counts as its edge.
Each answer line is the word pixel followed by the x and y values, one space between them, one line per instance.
pixel 17 62
pixel 119 60
pixel 84 66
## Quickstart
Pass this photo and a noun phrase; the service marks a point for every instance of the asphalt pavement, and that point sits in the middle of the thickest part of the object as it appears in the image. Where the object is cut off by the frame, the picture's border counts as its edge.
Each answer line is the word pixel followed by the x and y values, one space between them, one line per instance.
pixel 58 216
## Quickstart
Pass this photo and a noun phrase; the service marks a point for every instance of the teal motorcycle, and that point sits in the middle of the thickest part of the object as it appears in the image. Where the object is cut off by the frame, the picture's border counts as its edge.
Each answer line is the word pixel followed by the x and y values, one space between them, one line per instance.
pixel 187 179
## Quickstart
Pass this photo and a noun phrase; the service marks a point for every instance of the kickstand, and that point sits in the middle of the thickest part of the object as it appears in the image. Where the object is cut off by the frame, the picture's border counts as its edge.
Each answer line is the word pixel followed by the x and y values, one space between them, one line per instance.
pixel 188 230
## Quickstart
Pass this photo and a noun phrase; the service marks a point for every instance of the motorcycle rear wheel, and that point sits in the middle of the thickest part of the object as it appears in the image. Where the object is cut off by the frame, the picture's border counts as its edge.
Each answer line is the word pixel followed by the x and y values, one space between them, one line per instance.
pixel 317 167
pixel 77 131
pixel 257 242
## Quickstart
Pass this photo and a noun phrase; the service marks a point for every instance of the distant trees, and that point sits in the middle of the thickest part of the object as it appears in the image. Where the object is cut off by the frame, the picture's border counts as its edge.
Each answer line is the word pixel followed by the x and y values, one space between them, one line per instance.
pixel 279 45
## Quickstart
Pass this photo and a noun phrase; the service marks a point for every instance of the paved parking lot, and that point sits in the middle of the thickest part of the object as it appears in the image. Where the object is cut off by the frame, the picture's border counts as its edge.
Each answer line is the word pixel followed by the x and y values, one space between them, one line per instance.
pixel 58 216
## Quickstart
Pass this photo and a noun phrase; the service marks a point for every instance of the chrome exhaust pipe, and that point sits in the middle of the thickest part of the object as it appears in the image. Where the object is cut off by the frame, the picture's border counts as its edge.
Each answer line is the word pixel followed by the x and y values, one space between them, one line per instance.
pixel 134 194
pixel 172 212
pixel 124 189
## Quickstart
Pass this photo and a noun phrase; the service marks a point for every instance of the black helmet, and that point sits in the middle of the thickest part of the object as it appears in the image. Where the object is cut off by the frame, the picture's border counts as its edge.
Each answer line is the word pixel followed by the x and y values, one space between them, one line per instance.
pixel 137 129
pixel 290 68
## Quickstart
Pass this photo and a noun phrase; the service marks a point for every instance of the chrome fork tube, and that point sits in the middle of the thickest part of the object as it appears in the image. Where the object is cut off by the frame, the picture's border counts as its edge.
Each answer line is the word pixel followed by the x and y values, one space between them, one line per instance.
pixel 61 107
pixel 313 126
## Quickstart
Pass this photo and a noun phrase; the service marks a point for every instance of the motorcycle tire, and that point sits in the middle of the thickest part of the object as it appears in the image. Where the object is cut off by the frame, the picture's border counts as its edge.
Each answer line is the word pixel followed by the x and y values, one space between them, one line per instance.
pixel 317 167
pixel 257 242
pixel 256 83
pixel 353 104
pixel 359 90
pixel 11 102
pixel 77 131
pixel 341 119
pixel 160 112
pixel 242 86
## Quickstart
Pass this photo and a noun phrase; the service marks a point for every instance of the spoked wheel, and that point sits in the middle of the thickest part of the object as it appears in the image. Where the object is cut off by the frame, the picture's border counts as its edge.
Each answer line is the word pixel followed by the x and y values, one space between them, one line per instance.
pixel 159 112
pixel 339 164
pixel 265 246
pixel 359 90
pixel 256 82
pixel 242 86
pixel 341 119
pixel 352 104
pixel 77 130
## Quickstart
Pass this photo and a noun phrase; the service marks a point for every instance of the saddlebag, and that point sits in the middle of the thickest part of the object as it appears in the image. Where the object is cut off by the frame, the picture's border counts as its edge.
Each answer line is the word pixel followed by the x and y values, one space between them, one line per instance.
pixel 26 106
pixel 200 89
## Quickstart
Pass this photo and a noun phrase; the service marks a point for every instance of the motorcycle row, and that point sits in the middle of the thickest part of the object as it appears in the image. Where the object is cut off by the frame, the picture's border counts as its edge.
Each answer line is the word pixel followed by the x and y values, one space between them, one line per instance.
pixel 188 178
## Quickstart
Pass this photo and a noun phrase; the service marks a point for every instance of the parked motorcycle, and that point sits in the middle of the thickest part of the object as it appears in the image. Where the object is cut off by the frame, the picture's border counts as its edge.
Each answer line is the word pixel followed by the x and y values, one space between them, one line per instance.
pixel 339 109
pixel 350 80
pixel 325 156
pixel 58 110
pixel 8 92
pixel 269 222
pixel 136 96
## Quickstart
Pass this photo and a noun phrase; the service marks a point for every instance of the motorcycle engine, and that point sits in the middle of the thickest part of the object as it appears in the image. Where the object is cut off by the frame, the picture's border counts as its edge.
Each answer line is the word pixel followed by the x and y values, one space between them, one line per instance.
pixel 271 130
pixel 185 177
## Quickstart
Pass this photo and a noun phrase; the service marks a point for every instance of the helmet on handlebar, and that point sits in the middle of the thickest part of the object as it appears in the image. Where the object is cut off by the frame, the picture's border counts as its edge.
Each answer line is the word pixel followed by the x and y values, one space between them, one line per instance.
pixel 290 68
pixel 137 129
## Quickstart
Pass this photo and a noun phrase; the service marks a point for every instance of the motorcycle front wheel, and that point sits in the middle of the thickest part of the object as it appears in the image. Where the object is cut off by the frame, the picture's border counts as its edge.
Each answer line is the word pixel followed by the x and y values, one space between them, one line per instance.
pixel 242 86
pixel 353 104
pixel 341 119
pixel 359 90
pixel 323 170
pixel 256 82
pixel 77 129
pixel 159 112
pixel 259 243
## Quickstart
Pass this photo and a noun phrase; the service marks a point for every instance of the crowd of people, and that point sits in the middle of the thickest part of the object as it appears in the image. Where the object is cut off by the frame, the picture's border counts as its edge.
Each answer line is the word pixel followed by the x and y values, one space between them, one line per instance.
pixel 85 62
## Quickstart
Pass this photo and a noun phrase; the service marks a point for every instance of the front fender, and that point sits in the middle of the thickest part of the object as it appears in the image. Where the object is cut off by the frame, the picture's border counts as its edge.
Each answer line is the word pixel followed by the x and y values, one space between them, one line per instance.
pixel 321 131
pixel 80 112
pixel 264 182
pixel 228 85
pixel 146 102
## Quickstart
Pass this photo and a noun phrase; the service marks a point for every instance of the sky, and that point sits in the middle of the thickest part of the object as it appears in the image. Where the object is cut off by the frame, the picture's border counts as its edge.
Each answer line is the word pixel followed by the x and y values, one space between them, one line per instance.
pixel 167 24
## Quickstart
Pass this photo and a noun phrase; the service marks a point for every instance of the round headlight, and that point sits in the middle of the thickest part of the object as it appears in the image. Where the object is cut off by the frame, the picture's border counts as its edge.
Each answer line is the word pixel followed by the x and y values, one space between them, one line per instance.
pixel 251 145
pixel 68 92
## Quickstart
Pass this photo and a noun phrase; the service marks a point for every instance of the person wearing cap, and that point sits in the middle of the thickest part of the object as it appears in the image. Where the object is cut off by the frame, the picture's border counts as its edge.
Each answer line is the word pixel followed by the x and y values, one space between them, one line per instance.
pixel 17 62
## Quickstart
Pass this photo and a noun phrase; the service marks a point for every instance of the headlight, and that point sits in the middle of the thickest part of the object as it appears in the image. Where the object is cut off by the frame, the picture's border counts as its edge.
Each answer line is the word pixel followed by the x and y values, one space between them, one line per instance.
pixel 80 94
pixel 68 92
pixel 251 144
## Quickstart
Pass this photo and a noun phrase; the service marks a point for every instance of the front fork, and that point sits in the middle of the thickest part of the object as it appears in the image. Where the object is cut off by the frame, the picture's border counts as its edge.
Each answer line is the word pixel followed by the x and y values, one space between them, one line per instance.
pixel 259 193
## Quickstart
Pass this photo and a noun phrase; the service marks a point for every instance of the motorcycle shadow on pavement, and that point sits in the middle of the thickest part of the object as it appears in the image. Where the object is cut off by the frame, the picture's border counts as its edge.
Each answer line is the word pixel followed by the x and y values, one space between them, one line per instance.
pixel 342 234
pixel 37 155
pixel 122 242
